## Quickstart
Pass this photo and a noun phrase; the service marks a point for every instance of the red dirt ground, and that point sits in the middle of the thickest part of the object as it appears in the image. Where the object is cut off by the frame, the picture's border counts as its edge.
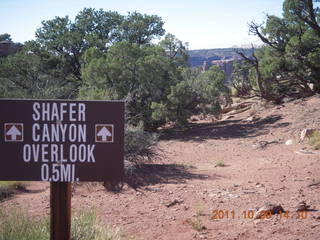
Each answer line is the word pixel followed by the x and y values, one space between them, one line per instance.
pixel 253 176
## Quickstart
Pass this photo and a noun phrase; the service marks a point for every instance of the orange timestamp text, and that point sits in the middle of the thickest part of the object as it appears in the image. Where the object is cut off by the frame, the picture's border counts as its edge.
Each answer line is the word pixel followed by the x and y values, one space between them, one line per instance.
pixel 250 214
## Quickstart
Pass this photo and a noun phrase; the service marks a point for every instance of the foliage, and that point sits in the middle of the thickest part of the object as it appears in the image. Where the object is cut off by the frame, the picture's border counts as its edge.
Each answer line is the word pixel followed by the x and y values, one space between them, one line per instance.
pixel 150 79
pixel 196 224
pixel 200 210
pixel 220 163
pixel 175 50
pixel 108 56
pixel 17 225
pixel 197 93
pixel 241 78
pixel 8 188
pixel 315 140
pixel 139 144
pixel 28 75
pixel 138 74
pixel 5 36
pixel 141 28
pixel 95 29
pixel 70 39
pixel 289 62
pixel 85 227
pixel 12 184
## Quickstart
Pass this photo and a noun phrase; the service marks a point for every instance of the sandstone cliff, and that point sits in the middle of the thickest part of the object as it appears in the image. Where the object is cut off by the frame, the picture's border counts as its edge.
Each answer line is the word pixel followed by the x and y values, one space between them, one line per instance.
pixel 222 57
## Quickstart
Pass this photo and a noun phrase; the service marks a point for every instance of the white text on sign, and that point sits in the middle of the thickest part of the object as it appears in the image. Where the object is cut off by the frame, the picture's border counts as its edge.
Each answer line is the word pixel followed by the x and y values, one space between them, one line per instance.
pixel 67 126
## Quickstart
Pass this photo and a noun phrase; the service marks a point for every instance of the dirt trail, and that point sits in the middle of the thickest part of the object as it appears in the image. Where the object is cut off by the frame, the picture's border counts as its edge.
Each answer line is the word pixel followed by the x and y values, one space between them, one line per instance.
pixel 185 187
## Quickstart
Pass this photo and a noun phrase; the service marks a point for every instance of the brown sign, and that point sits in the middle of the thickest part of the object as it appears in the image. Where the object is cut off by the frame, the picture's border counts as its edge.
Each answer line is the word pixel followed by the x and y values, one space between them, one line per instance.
pixel 61 141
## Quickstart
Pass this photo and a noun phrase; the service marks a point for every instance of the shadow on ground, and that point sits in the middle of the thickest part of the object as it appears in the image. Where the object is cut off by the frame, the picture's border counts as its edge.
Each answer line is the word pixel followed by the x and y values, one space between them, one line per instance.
pixel 224 129
pixel 151 174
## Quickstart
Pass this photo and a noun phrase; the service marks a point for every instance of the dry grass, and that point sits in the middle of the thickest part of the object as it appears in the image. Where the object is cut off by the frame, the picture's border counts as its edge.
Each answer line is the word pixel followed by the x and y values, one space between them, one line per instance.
pixel 220 163
pixel 17 225
pixel 196 224
pixel 315 140
pixel 200 210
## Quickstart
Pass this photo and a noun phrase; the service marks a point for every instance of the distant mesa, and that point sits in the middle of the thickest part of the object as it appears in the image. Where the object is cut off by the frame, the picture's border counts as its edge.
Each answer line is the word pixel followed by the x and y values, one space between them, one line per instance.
pixel 222 57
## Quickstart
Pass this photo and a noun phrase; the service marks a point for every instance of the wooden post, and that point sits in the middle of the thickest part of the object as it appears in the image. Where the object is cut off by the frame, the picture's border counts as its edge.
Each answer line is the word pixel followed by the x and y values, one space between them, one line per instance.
pixel 60 203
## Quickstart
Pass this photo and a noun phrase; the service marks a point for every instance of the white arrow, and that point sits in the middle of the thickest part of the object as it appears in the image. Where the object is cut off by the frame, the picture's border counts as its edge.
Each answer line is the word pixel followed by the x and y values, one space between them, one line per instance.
pixel 104 133
pixel 14 132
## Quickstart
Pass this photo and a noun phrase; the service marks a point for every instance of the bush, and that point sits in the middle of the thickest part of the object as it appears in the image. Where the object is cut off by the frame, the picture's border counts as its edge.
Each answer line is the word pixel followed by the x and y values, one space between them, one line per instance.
pixel 139 148
pixel 156 89
pixel 18 226
pixel 315 140
pixel 220 163
pixel 197 94
pixel 139 145
pixel 196 224
pixel 8 188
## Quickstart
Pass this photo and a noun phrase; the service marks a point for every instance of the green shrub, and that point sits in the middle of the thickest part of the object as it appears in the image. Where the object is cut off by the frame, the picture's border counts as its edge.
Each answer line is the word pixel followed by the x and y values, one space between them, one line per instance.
pixel 7 188
pixel 220 163
pixel 195 94
pixel 16 225
pixel 12 184
pixel 196 224
pixel 315 140
pixel 139 148
pixel 139 144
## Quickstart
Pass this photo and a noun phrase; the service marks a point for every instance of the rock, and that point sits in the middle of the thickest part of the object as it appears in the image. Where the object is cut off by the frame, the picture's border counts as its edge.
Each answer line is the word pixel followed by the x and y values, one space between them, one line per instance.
pixel 314 184
pixel 194 119
pixel 174 202
pixel 235 107
pixel 269 207
pixel 289 142
pixel 306 133
pixel 227 117
pixel 249 192
pixel 315 225
pixel 260 145
pixel 258 185
pixel 303 152
pixel 287 99
pixel 302 206
pixel 316 217
pixel 311 86
pixel 263 144
pixel 252 119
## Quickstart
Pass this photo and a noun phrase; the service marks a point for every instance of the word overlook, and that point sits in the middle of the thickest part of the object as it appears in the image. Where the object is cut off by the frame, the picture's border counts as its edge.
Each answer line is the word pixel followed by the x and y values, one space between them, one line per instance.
pixel 58 132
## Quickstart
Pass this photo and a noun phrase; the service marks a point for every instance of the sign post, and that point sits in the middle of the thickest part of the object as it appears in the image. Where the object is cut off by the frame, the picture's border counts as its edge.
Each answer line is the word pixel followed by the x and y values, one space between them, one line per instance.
pixel 60 204
pixel 60 142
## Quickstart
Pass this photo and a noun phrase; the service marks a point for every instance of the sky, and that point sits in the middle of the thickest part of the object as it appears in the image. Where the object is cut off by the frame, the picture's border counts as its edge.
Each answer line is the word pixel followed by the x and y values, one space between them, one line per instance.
pixel 201 23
